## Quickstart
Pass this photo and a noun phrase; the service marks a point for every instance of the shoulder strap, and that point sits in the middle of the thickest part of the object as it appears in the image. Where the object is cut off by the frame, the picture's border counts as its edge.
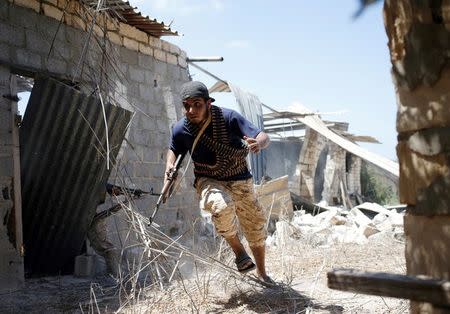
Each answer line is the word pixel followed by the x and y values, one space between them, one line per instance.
pixel 199 134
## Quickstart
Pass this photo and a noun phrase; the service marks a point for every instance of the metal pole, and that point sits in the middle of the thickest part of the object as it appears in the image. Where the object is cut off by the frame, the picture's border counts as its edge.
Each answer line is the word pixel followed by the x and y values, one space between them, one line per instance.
pixel 204 59
pixel 207 72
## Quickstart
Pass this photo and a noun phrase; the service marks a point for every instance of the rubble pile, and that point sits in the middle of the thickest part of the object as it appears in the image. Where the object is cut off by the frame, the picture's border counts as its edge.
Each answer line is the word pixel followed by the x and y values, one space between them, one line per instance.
pixel 361 224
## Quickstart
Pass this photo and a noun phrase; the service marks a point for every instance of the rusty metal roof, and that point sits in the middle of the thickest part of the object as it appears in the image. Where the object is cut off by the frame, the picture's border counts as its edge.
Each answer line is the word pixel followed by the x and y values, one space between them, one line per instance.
pixel 127 14
pixel 63 170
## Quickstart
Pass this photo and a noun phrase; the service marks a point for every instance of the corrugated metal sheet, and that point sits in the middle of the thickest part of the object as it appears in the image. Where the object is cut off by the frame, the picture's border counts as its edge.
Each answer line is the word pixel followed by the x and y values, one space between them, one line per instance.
pixel 251 108
pixel 125 12
pixel 63 171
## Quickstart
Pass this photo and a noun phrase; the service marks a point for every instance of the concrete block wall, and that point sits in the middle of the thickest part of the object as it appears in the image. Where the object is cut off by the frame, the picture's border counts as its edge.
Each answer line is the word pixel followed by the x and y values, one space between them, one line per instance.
pixel 142 74
pixel 334 173
pixel 11 246
pixel 354 175
pixel 306 168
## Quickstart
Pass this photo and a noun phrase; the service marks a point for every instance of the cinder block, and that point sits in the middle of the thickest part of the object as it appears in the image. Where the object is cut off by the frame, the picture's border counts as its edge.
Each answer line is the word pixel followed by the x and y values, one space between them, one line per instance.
pixel 84 266
pixel 155 42
pixel 115 38
pixel 173 72
pixel 52 11
pixel 112 24
pixel 182 62
pixel 23 16
pixel 146 49
pixel 144 170
pixel 55 65
pixel 31 4
pixel 172 59
pixel 136 74
pixel 140 36
pixel 49 27
pixel 5 54
pixel 128 56
pixel 145 93
pixel 28 58
pixel 35 42
pixel 130 44
pixel 175 50
pixel 160 55
pixel 161 68
pixel 7 166
pixel 53 2
pixel 98 31
pixel 75 21
pixel 4 10
pixel 146 61
pixel 165 46
pixel 126 30
pixel 11 35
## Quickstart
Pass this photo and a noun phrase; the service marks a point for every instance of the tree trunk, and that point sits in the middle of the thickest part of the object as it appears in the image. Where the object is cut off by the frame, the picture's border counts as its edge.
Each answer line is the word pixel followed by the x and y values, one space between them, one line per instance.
pixel 419 42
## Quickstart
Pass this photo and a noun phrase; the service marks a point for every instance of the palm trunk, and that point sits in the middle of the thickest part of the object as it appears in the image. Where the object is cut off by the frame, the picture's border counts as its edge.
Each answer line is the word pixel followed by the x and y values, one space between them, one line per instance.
pixel 419 42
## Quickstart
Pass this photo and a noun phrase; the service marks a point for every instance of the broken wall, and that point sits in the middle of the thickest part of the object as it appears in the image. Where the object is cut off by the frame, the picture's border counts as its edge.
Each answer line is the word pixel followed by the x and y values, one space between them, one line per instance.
pixel 140 73
pixel 307 163
pixel 353 169
pixel 334 174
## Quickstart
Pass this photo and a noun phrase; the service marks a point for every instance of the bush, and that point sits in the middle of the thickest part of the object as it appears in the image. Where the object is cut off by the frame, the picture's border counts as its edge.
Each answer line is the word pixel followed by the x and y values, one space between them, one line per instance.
pixel 374 190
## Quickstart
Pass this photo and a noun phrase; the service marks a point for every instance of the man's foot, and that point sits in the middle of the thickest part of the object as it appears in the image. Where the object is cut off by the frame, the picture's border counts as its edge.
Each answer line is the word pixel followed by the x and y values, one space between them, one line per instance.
pixel 244 264
pixel 266 280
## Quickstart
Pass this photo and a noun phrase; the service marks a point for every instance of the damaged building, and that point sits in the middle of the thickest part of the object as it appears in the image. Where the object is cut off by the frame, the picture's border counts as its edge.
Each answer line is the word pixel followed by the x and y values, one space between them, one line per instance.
pixel 322 161
pixel 104 88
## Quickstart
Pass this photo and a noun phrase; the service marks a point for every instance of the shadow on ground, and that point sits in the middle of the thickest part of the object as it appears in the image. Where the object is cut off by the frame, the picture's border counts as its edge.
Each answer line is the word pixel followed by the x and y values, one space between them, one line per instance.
pixel 64 294
pixel 277 299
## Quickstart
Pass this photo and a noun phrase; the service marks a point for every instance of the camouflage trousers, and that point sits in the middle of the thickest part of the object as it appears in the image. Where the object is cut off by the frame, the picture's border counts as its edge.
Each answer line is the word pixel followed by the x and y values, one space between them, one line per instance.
pixel 98 238
pixel 233 204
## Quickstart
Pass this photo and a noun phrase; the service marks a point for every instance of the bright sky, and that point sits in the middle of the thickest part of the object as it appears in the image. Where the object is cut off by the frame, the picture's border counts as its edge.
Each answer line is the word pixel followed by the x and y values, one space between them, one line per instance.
pixel 293 51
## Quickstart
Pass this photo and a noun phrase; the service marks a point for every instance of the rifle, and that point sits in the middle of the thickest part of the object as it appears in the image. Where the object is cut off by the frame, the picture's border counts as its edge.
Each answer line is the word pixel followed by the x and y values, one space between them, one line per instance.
pixel 106 213
pixel 167 189
pixel 113 189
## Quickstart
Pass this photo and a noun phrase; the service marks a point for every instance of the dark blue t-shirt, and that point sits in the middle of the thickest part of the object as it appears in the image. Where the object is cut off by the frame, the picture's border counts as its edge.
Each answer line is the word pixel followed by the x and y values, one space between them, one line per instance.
pixel 236 125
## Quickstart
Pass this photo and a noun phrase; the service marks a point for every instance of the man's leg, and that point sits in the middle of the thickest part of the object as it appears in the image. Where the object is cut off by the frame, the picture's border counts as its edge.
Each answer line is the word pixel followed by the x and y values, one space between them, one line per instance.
pixel 243 261
pixel 215 198
pixel 98 238
pixel 259 253
pixel 236 245
pixel 253 221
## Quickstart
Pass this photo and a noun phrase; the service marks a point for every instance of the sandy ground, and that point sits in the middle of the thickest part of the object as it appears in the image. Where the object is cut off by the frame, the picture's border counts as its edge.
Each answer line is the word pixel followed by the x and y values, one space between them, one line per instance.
pixel 299 269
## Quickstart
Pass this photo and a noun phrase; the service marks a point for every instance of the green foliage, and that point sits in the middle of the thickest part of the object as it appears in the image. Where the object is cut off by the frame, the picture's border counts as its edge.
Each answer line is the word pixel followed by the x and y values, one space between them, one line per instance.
pixel 374 190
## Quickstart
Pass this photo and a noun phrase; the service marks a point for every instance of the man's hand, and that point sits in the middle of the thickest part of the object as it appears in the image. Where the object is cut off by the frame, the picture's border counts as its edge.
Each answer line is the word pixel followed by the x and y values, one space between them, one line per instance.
pixel 252 144
pixel 169 182
pixel 256 144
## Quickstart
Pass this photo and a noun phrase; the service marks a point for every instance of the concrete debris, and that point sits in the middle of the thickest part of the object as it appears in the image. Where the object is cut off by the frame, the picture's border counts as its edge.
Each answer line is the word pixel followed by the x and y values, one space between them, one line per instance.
pixel 361 224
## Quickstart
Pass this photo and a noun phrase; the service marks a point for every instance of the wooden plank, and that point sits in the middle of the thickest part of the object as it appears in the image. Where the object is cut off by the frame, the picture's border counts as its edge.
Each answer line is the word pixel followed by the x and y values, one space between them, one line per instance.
pixel 274 197
pixel 421 289
pixel 16 169
pixel 272 186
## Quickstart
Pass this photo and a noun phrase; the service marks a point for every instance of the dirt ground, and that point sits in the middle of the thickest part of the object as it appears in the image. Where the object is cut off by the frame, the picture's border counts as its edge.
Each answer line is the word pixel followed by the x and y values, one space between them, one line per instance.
pixel 299 269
